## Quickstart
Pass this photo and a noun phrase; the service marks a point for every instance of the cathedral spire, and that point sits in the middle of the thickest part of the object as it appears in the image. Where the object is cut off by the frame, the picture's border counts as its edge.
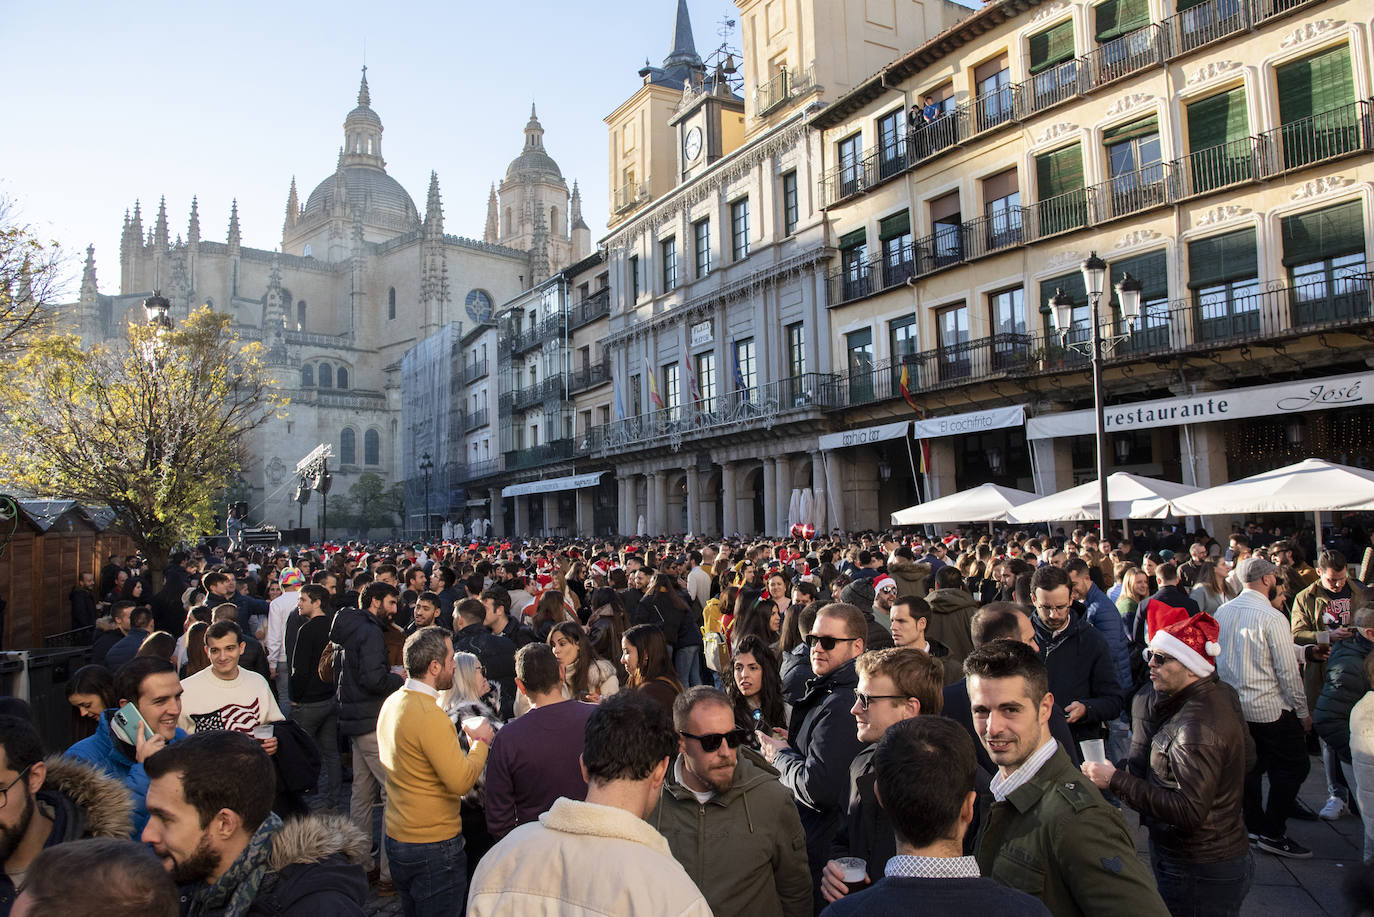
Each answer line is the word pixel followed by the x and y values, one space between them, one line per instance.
pixel 534 132
pixel 293 205
pixel 193 228
pixel 684 50
pixel 89 291
pixel 234 238
pixel 364 97
pixel 575 208
pixel 492 232
pixel 160 228
pixel 363 132
pixel 434 211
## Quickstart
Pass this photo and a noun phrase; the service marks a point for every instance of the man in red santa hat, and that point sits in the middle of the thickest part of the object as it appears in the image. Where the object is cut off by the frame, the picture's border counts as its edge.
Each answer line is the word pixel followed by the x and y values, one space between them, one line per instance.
pixel 1187 777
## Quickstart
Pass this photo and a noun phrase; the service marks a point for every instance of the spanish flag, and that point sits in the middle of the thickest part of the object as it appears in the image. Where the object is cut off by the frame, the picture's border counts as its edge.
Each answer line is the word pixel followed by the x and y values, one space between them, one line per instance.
pixel 905 384
pixel 653 385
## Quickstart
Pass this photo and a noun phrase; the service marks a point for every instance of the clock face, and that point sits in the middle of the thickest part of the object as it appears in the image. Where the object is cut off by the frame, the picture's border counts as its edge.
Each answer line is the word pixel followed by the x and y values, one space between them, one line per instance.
pixel 691 144
pixel 479 307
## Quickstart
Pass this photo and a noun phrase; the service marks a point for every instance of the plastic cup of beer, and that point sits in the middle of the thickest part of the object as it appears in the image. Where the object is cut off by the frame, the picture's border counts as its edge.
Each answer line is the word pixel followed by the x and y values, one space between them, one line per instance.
pixel 855 873
pixel 474 722
pixel 1093 750
pixel 262 732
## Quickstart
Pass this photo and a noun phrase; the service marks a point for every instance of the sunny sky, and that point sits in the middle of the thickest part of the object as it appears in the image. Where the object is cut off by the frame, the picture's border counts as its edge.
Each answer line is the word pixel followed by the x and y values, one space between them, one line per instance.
pixel 109 102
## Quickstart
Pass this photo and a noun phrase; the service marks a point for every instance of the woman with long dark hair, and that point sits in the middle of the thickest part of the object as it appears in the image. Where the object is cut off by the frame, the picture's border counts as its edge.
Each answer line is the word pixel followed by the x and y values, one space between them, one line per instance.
pixel 757 617
pixel 755 686
pixel 644 654
pixel 549 610
pixel 91 690
pixel 586 676
pixel 606 624
pixel 681 628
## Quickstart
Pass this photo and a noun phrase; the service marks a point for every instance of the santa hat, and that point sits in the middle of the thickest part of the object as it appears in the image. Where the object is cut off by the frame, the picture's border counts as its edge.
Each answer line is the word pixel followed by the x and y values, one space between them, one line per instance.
pixel 883 582
pixel 1192 642
pixel 1158 616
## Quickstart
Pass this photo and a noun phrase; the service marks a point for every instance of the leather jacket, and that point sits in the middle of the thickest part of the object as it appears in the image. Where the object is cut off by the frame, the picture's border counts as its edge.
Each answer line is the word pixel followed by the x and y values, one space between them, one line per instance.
pixel 1186 777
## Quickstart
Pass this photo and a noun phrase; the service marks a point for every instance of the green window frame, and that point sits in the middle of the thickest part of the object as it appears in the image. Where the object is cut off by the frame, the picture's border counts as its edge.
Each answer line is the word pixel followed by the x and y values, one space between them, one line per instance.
pixel 1316 84
pixel 1052 46
pixel 1073 286
pixel 1062 200
pixel 1223 259
pixel 1219 150
pixel 1325 233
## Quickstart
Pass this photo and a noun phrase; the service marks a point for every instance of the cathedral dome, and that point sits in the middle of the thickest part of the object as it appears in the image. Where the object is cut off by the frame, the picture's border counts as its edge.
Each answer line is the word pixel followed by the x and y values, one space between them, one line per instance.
pixel 370 191
pixel 533 163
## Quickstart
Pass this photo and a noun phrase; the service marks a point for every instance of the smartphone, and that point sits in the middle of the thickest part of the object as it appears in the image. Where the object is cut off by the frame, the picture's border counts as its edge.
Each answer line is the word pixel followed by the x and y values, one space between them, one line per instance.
pixel 127 722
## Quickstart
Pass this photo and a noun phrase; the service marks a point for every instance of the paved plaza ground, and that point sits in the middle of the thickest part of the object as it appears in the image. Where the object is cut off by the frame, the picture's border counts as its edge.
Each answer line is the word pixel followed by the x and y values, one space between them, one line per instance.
pixel 1282 888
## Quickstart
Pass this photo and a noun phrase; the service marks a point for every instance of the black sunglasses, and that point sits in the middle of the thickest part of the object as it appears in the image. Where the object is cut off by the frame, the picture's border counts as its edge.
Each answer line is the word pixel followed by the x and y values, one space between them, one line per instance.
pixel 734 739
pixel 827 643
pixel 1158 659
pixel 866 699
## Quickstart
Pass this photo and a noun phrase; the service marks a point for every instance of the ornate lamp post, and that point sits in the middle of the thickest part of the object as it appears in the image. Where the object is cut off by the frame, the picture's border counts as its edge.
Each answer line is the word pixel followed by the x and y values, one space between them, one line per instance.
pixel 427 466
pixel 1060 310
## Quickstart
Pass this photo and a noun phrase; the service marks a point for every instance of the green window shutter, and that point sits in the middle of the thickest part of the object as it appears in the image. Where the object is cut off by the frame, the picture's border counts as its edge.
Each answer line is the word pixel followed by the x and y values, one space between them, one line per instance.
pixel 1059 172
pixel 1325 233
pixel 1132 130
pixel 1315 84
pixel 1151 269
pixel 1218 120
pixel 1184 5
pixel 1222 259
pixel 851 239
pixel 1052 46
pixel 895 225
pixel 1115 18
pixel 1072 284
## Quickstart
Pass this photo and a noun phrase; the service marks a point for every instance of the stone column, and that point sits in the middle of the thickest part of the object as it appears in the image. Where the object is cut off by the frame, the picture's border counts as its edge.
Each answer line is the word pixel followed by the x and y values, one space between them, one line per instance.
pixel 659 492
pixel 498 514
pixel 729 521
pixel 940 480
pixel 651 503
pixel 1054 465
pixel 783 488
pixel 835 516
pixel 770 496
pixel 693 500
pixel 583 522
pixel 522 518
pixel 1204 465
pixel 819 492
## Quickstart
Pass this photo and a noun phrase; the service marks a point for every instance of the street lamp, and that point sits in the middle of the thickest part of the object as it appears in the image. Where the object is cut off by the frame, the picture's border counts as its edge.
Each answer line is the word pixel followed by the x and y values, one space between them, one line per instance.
pixel 1060 309
pixel 426 466
pixel 157 307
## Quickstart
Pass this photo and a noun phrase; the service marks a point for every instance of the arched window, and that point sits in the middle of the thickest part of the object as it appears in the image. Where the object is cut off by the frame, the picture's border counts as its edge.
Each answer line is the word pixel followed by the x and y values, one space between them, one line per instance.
pixel 300 315
pixel 348 449
pixel 372 448
pixel 391 304
pixel 326 376
pixel 341 378
pixel 308 376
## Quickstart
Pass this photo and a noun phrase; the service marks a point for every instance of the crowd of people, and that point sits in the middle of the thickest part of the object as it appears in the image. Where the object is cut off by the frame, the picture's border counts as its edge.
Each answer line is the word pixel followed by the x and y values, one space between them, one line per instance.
pixel 857 724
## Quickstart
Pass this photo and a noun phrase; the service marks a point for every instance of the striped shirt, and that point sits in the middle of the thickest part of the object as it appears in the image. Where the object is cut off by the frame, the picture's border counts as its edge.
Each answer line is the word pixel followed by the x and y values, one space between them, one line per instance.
pixel 1002 787
pixel 1257 658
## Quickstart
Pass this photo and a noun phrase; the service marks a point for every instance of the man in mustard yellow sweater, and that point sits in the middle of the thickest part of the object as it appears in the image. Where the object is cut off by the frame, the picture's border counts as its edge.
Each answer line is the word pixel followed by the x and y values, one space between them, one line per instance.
pixel 427 773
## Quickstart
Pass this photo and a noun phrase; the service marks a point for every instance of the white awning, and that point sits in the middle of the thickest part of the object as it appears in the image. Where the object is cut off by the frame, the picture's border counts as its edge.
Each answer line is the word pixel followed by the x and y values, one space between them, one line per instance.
pixel 866 435
pixel 550 485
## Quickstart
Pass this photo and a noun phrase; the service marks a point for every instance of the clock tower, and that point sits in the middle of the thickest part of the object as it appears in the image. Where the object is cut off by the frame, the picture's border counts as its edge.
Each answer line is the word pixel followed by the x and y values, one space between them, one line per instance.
pixel 709 125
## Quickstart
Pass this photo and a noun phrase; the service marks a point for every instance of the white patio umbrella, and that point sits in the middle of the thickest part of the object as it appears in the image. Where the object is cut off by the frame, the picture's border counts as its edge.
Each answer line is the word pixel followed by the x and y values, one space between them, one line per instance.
pixel 808 508
pixel 642 528
pixel 984 503
pixel 1312 485
pixel 1130 496
pixel 794 508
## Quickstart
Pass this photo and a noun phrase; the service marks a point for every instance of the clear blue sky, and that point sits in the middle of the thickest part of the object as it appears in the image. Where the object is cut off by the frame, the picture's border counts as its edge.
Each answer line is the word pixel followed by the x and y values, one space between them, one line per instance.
pixel 108 102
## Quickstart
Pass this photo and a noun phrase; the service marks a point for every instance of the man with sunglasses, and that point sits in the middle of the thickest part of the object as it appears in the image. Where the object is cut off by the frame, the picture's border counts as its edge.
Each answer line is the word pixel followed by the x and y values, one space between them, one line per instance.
pixel 1182 775
pixel 729 822
pixel 815 760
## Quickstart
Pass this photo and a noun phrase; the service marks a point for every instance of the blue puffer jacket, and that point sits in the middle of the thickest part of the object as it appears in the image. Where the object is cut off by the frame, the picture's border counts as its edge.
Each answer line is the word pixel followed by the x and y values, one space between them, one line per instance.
pixel 116 758
pixel 364 678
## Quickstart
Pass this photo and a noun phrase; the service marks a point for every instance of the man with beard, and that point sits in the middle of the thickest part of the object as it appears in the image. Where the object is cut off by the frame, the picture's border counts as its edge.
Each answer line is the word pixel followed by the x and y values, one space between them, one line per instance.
pixel 729 822
pixel 151 684
pixel 211 822
pixel 83 602
pixel 427 775
pixel 45 803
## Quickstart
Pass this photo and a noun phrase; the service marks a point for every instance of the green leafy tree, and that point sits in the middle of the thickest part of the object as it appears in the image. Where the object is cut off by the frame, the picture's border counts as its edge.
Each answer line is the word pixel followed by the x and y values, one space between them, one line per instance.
pixel 374 504
pixel 30 278
pixel 153 425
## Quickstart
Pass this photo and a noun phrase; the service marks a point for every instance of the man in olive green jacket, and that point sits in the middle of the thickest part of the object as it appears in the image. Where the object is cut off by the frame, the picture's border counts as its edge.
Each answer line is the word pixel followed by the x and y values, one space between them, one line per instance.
pixel 729 822
pixel 1046 829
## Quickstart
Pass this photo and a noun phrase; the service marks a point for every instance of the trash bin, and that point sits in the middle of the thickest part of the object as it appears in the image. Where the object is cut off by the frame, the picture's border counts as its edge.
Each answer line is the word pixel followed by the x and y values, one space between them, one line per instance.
pixel 48 671
pixel 11 673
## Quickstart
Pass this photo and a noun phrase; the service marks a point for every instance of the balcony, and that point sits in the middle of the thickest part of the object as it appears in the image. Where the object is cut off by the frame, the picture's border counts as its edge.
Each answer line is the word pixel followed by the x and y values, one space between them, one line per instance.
pixel 474 370
pixel 1325 135
pixel 472 471
pixel 1181 326
pixel 537 393
pixel 1205 23
pixel 589 375
pixel 1328 135
pixel 761 407
pixel 783 86
pixel 1125 55
pixel 590 309
pixel 534 456
pixel 474 419
pixel 629 195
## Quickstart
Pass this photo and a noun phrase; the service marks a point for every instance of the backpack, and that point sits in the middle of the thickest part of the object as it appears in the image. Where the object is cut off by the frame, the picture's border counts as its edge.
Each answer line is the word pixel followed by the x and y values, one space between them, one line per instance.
pixel 326 667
